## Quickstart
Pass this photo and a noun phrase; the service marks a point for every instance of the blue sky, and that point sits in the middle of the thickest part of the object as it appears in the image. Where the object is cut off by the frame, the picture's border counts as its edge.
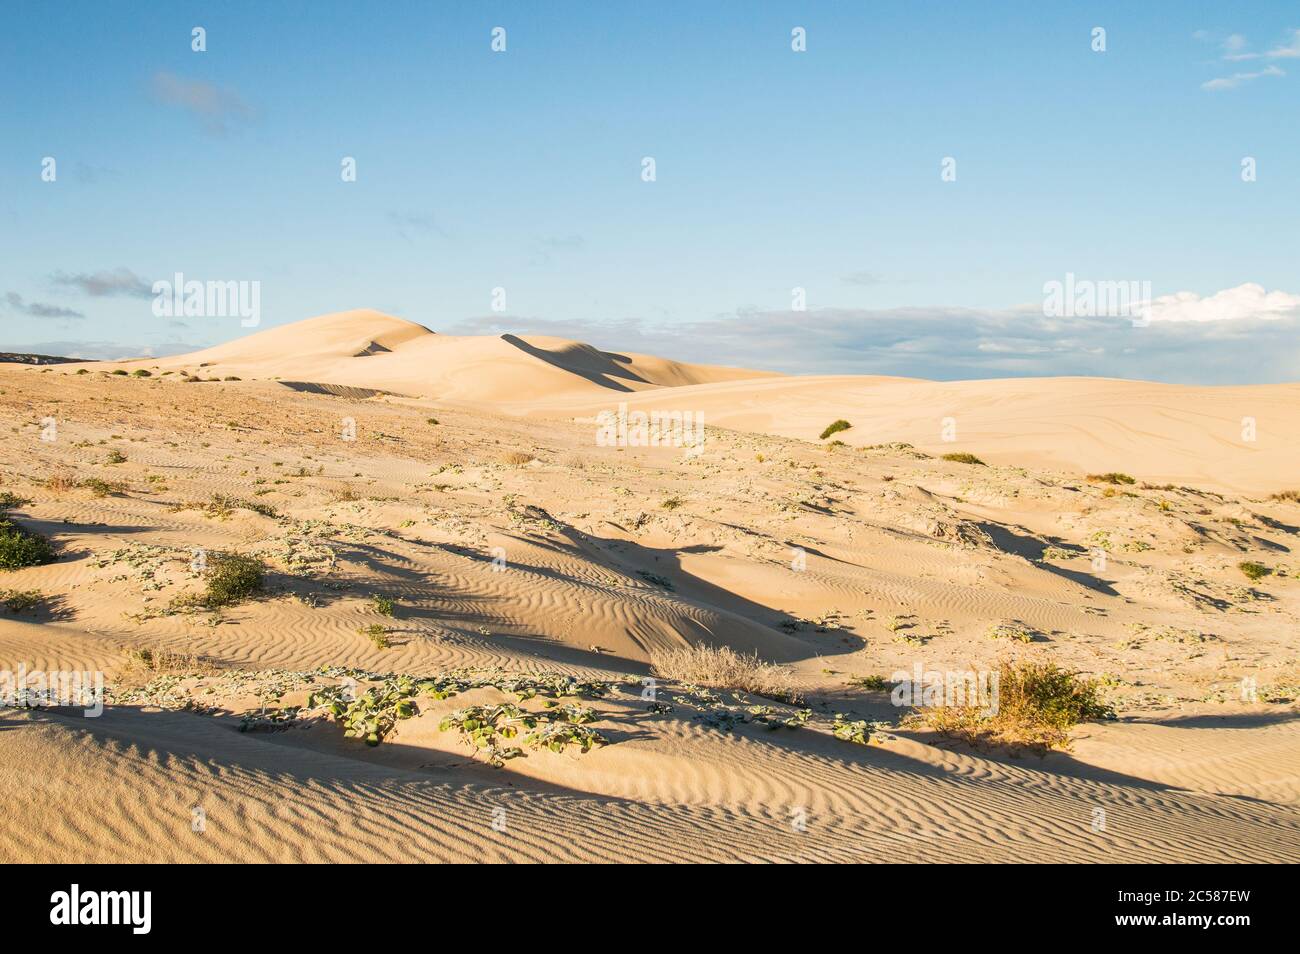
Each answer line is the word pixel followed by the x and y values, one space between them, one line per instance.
pixel 775 170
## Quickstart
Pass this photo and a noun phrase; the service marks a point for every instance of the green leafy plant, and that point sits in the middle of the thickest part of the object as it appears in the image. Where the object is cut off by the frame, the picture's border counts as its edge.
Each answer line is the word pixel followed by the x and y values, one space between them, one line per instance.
pixel 484 727
pixel 372 715
pixel 376 634
pixel 383 605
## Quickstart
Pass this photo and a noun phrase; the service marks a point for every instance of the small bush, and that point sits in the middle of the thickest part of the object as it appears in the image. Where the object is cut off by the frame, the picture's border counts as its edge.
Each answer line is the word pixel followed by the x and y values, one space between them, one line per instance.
pixel 1290 496
pixel 232 578
pixel 383 605
pixel 9 500
pixel 376 634
pixel 961 457
pixel 517 458
pixel 835 428
pixel 115 457
pixel 231 377
pixel 1114 477
pixel 121 372
pixel 22 548
pixel 672 503
pixel 724 668
pixel 431 420
pixel 1253 570
pixel 1038 705
pixel 141 373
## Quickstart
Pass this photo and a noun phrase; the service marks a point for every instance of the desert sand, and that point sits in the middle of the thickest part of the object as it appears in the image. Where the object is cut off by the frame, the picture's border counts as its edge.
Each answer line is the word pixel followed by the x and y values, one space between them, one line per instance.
pixel 366 459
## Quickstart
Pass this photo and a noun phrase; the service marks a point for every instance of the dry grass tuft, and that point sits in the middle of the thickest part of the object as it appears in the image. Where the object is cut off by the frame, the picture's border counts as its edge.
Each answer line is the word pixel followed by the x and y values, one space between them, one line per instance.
pixel 723 668
pixel 517 458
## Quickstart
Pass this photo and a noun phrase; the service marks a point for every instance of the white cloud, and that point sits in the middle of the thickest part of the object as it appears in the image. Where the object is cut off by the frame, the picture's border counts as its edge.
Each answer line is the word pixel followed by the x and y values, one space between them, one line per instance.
pixel 1231 304
pixel 1237 79
pixel 1289 50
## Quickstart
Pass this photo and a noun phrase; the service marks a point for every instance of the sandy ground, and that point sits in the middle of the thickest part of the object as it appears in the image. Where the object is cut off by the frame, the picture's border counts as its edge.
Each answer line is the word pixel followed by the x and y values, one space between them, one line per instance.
pixel 586 559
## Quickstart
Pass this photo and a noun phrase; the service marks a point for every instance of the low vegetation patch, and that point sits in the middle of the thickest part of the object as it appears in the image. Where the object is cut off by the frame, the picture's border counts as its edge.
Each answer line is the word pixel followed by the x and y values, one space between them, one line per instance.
pixel 724 668
pixel 232 578
pixel 1114 477
pixel 1290 496
pixel 961 457
pixel 517 458
pixel 1253 570
pixel 1037 706
pixel 835 427
pixel 22 548
pixel 20 601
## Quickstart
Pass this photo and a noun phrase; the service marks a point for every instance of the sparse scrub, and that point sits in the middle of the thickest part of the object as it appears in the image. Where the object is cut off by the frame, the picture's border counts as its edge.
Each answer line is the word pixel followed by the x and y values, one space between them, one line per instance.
pixel 961 457
pixel 834 428
pixel 672 503
pixel 1289 496
pixel 1037 706
pixel 517 458
pixel 376 634
pixel 115 457
pixel 724 668
pixel 383 605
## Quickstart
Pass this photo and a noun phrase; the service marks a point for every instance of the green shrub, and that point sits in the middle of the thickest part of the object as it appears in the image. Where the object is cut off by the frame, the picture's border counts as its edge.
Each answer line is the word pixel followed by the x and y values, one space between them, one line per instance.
pixel 1253 570
pixel 120 371
pixel 21 548
pixel 9 500
pixel 961 457
pixel 232 578
pixel 141 373
pixel 835 428
pixel 383 605
pixel 115 457
pixel 376 634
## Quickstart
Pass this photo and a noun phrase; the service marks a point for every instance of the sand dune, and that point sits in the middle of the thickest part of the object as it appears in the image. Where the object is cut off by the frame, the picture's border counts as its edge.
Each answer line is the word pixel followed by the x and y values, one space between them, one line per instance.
pixel 369 349
pixel 510 542
pixel 1235 439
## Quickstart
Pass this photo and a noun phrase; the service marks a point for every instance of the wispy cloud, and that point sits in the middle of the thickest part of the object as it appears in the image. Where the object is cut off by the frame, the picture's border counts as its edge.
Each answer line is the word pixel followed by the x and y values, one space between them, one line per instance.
pixel 1235 48
pixel 36 309
pixel 218 109
pixel 105 284
pixel 1238 79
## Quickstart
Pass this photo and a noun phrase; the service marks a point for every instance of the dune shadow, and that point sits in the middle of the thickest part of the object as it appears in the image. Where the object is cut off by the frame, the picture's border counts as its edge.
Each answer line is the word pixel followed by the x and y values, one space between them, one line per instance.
pixel 598 367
